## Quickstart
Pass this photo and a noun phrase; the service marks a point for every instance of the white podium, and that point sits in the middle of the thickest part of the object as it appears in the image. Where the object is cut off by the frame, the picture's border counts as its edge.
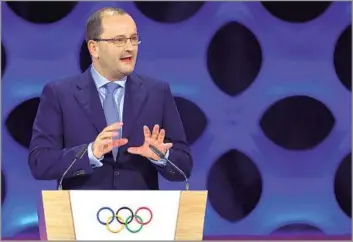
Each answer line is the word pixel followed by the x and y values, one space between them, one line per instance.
pixel 122 215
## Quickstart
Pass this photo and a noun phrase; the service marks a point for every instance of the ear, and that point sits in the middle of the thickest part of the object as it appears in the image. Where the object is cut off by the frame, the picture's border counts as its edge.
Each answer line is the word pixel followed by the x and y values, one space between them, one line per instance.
pixel 93 48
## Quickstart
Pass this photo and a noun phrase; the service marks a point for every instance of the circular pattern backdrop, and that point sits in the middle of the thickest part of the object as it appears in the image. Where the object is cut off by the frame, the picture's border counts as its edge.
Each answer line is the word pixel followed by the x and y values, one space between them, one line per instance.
pixel 263 90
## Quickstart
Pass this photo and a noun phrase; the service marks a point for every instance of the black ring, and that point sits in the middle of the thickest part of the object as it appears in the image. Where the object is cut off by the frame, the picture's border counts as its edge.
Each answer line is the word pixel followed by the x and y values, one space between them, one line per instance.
pixel 126 208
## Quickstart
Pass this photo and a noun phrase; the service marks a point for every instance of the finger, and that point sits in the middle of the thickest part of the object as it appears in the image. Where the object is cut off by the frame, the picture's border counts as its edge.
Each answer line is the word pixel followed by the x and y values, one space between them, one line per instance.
pixel 155 131
pixel 167 146
pixel 146 132
pixel 134 150
pixel 108 135
pixel 113 127
pixel 103 145
pixel 105 142
pixel 119 142
pixel 106 146
pixel 153 156
pixel 161 136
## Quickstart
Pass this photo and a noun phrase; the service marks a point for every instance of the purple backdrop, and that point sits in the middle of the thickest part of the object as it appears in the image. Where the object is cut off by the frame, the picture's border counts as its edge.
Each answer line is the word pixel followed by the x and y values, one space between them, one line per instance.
pixel 264 92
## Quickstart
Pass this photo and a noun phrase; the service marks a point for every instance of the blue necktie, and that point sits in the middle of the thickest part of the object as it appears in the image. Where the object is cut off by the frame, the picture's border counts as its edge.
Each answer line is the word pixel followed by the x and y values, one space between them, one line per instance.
pixel 111 110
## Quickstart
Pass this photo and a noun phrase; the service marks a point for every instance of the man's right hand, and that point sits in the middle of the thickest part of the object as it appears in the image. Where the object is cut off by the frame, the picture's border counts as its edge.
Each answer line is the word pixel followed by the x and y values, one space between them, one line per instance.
pixel 104 142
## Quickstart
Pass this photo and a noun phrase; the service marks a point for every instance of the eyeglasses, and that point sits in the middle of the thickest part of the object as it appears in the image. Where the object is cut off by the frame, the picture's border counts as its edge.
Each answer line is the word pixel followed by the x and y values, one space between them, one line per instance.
pixel 122 40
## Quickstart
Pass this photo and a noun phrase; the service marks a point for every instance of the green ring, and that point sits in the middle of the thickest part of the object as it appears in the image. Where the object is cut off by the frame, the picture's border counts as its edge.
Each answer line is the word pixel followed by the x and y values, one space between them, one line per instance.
pixel 137 230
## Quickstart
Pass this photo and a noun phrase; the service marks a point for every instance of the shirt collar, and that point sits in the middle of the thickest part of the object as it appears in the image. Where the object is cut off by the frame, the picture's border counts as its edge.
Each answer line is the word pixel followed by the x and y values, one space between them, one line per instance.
pixel 100 81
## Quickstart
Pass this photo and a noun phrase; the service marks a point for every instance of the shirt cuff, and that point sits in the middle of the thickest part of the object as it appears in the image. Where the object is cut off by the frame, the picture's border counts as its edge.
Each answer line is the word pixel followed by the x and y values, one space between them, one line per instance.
pixel 92 159
pixel 161 162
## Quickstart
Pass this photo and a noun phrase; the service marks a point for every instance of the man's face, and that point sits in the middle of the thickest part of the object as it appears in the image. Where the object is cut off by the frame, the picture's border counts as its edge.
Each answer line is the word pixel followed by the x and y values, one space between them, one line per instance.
pixel 118 56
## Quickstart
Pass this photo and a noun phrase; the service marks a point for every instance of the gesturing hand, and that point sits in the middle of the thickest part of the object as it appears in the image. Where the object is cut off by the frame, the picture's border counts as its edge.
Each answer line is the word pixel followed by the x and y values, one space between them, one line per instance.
pixel 156 139
pixel 104 142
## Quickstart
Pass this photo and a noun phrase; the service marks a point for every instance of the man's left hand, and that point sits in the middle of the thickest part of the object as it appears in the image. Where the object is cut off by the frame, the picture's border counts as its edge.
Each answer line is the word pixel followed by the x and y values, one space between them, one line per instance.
pixel 156 139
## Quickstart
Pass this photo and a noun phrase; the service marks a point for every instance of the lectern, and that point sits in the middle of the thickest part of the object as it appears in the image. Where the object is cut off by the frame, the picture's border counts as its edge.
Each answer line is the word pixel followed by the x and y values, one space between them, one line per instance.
pixel 122 215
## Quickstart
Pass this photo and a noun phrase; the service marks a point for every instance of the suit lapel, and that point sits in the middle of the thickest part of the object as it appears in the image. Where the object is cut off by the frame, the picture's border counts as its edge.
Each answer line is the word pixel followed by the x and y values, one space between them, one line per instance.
pixel 135 96
pixel 88 97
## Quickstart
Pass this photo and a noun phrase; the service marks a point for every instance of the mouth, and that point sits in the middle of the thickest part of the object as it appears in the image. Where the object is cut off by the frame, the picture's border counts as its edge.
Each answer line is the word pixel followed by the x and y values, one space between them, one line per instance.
pixel 127 59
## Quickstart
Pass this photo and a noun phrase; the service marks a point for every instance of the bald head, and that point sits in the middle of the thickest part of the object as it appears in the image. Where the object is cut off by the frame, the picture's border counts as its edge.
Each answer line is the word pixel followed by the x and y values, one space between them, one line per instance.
pixel 94 27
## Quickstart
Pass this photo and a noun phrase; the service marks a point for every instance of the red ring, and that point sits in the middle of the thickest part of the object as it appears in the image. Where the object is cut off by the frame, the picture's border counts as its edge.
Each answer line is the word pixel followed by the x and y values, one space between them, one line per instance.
pixel 143 208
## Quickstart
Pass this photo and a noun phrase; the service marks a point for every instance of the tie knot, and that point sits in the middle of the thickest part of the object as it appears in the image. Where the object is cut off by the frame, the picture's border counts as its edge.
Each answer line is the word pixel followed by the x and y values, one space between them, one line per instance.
pixel 111 86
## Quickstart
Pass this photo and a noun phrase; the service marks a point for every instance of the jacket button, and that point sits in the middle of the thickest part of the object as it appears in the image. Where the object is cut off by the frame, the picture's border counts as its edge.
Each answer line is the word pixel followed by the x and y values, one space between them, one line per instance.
pixel 116 173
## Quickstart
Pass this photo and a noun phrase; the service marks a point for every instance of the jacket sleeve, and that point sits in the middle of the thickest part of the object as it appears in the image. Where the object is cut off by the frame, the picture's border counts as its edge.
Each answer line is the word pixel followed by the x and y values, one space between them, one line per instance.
pixel 47 158
pixel 179 154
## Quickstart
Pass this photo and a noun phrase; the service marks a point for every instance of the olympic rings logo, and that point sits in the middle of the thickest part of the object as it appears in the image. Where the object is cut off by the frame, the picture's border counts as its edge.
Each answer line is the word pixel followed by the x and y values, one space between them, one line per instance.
pixel 124 222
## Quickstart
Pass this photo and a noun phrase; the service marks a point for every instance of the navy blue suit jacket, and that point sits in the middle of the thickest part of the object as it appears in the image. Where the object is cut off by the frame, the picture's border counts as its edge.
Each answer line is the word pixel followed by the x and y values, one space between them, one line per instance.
pixel 70 116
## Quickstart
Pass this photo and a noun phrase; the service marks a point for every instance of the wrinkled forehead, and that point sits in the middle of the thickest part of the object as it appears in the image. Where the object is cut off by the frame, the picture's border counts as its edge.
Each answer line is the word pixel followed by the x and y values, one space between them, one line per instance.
pixel 118 25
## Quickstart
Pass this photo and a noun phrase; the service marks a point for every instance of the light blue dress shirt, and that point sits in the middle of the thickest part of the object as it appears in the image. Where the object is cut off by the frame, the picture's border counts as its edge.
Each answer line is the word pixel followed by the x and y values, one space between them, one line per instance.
pixel 100 81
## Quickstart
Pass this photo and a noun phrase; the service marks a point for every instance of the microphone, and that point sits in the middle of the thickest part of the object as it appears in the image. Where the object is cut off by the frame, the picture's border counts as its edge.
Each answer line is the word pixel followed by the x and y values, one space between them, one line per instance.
pixel 78 156
pixel 162 156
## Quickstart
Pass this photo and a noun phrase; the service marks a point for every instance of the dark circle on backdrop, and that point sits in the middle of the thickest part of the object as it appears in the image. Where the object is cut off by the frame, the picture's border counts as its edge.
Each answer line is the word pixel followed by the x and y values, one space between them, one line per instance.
pixel 343 185
pixel 298 228
pixel 234 186
pixel 195 124
pixel 343 57
pixel 19 123
pixel 3 59
pixel 85 57
pixel 297 122
pixel 42 12
pixel 234 58
pixel 296 12
pixel 29 233
pixel 3 187
pixel 169 12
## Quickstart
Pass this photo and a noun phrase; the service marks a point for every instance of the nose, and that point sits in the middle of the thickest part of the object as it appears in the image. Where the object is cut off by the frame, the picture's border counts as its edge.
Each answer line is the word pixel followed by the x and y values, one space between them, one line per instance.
pixel 128 45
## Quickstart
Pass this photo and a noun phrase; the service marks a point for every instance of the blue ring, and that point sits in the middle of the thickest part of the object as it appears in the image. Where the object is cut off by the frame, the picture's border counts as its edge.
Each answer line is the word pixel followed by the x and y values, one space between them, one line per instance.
pixel 105 208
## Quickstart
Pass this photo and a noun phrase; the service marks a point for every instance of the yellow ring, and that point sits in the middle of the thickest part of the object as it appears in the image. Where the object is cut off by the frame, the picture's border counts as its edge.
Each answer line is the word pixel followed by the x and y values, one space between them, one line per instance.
pixel 118 230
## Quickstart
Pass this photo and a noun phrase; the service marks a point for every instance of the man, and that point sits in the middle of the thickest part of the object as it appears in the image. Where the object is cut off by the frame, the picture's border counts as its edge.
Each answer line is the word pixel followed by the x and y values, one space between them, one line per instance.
pixel 114 113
